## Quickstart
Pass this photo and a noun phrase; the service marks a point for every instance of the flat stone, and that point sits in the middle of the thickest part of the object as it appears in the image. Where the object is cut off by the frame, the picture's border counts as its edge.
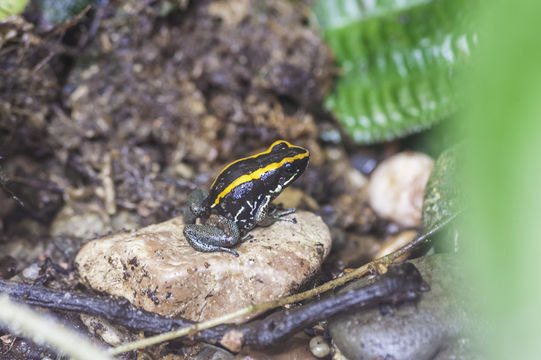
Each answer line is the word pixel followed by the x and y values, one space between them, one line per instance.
pixel 156 269
pixel 438 327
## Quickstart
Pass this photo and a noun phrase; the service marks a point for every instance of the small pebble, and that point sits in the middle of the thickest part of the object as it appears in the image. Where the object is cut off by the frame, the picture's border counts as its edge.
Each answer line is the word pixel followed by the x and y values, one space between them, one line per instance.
pixel 211 352
pixel 319 347
pixel 397 187
pixel 109 333
pixel 31 272
pixel 8 267
pixel 396 242
pixel 80 220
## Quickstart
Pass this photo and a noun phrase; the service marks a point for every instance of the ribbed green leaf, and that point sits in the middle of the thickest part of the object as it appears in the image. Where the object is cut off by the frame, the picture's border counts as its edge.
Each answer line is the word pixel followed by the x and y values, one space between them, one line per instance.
pixel 399 60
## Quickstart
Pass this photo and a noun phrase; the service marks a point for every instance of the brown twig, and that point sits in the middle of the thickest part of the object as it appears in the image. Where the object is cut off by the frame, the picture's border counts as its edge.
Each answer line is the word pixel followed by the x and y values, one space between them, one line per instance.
pixel 401 283
pixel 116 310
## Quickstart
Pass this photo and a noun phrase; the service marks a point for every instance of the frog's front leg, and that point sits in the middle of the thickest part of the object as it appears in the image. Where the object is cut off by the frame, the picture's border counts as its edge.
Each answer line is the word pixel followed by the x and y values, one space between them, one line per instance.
pixel 267 214
pixel 218 234
pixel 195 207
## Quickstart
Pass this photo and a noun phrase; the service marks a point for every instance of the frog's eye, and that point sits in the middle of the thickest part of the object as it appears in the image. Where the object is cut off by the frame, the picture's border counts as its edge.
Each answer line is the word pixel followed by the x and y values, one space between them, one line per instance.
pixel 279 145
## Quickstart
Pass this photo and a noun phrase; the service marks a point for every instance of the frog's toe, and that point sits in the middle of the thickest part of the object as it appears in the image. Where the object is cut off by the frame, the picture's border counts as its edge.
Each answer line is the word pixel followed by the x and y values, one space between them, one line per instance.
pixel 292 220
pixel 284 212
pixel 246 238
pixel 280 215
pixel 231 251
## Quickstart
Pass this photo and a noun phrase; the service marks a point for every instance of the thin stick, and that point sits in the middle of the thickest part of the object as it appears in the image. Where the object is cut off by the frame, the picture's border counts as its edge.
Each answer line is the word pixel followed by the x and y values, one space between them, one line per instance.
pixel 138 344
pixel 373 266
pixel 22 320
pixel 117 310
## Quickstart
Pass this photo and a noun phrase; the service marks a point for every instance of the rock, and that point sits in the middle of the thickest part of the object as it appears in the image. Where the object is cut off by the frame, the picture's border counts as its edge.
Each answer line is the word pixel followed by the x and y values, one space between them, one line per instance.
pixel 112 335
pixel 294 347
pixel 230 12
pixel 292 197
pixel 395 242
pixel 31 272
pixel 211 352
pixel 397 187
pixel 81 220
pixel 156 269
pixel 87 220
pixel 8 266
pixel 319 347
pixel 437 327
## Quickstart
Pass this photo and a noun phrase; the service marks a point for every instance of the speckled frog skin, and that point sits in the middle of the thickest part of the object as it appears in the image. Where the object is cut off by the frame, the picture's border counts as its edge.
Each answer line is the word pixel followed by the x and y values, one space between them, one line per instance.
pixel 240 197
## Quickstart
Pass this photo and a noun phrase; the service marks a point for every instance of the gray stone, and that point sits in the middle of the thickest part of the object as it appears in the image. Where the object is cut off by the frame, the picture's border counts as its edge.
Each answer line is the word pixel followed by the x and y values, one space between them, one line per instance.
pixel 211 352
pixel 437 327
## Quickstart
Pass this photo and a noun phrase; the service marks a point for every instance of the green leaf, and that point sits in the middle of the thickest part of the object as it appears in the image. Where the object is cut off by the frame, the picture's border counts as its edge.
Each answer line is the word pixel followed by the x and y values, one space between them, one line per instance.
pixel 10 7
pixel 444 198
pixel 399 61
pixel 58 11
pixel 503 173
pixel 443 195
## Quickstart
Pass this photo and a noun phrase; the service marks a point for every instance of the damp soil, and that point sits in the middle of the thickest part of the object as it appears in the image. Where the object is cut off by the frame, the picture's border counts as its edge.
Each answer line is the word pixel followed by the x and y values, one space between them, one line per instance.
pixel 109 119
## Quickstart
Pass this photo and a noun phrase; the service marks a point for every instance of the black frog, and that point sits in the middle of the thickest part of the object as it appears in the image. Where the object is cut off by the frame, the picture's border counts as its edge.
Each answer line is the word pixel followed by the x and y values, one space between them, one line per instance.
pixel 240 197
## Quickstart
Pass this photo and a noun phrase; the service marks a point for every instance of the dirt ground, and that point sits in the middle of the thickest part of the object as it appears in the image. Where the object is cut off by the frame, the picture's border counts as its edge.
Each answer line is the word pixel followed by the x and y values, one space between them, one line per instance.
pixel 108 120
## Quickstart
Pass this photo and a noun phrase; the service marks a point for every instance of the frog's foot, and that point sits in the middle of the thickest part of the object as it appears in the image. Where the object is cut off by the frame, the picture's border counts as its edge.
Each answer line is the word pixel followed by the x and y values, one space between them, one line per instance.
pixel 280 215
pixel 291 220
pixel 221 248
pixel 246 238
pixel 283 212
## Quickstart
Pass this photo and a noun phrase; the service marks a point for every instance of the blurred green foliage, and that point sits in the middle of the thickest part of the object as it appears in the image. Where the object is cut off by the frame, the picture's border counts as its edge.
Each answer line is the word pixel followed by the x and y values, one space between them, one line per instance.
pixel 399 59
pixel 503 172
pixel 9 7
pixel 58 11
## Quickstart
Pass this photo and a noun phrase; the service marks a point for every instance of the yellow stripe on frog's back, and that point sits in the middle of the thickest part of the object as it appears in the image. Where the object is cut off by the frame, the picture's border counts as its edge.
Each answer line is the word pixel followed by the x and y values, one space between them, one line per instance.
pixel 251 157
pixel 257 173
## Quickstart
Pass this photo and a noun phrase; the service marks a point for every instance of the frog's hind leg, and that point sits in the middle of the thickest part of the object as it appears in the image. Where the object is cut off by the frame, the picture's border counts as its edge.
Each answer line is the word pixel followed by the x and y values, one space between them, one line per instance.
pixel 208 238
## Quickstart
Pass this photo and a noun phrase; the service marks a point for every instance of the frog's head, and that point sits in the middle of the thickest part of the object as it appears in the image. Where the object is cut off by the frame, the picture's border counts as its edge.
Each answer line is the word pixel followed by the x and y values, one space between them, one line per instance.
pixel 291 160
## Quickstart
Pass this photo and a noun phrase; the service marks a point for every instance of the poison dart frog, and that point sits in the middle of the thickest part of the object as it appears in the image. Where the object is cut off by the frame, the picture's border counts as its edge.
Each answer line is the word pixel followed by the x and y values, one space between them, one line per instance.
pixel 240 198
